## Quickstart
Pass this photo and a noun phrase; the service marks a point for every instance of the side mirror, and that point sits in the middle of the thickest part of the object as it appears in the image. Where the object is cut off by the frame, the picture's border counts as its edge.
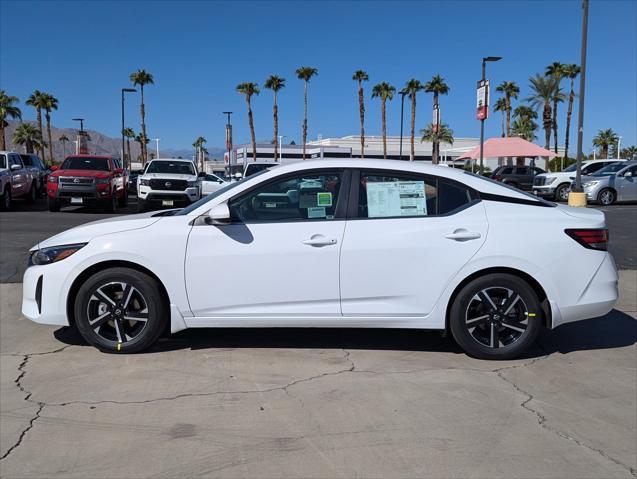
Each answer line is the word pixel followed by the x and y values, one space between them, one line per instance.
pixel 219 215
pixel 119 170
pixel 628 174
pixel 55 168
pixel 238 175
pixel 15 167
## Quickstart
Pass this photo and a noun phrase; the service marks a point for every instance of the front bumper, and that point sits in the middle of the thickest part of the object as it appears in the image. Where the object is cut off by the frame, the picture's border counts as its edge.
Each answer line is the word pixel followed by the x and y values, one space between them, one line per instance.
pixel 159 197
pixel 43 300
pixel 66 193
pixel 544 191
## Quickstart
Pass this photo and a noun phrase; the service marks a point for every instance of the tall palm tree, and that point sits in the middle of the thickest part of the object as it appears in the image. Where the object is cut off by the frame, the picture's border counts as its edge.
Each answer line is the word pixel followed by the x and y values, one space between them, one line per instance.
pixel 556 70
pixel 511 90
pixel 142 78
pixel 524 127
pixel 275 83
pixel 199 146
pixel 129 134
pixel 28 135
pixel 412 87
pixel 543 90
pixel 604 140
pixel 442 134
pixel 247 90
pixel 385 92
pixel 64 139
pixel 37 101
pixel 438 87
pixel 501 106
pixel 570 71
pixel 305 74
pixel 7 110
pixel 50 104
pixel 360 76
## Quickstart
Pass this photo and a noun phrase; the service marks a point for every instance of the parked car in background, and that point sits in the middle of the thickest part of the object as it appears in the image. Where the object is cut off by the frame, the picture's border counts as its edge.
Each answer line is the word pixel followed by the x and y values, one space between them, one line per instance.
pixel 17 180
pixel 87 180
pixel 132 180
pixel 557 185
pixel 303 243
pixel 520 177
pixel 40 171
pixel 616 182
pixel 168 183
pixel 211 183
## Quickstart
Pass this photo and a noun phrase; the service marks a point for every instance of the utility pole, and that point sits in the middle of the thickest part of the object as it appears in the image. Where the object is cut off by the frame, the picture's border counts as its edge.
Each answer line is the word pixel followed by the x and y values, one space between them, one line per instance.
pixel 580 113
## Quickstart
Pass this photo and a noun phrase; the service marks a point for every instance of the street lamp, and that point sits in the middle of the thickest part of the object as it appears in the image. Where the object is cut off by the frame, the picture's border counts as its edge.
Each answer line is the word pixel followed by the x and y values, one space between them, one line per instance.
pixel 156 140
pixel 81 120
pixel 229 141
pixel 402 93
pixel 125 90
pixel 486 105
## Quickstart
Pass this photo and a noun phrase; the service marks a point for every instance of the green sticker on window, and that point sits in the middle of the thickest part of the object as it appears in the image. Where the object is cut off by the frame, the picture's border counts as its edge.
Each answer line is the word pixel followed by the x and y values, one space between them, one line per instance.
pixel 324 199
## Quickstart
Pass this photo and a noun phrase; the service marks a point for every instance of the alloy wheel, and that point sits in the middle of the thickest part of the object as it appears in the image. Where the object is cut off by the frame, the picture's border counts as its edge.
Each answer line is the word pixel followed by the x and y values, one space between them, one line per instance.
pixel 606 197
pixel 117 312
pixel 562 193
pixel 496 317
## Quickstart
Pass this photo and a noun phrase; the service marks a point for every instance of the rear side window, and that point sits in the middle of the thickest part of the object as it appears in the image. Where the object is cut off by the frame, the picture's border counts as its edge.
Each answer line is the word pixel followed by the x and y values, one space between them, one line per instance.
pixel 15 160
pixel 593 167
pixel 506 171
pixel 451 196
pixel 521 170
pixel 3 161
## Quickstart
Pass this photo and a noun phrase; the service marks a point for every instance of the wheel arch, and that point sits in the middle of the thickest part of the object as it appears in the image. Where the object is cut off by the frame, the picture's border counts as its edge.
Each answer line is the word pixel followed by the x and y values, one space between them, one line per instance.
pixel 94 268
pixel 539 290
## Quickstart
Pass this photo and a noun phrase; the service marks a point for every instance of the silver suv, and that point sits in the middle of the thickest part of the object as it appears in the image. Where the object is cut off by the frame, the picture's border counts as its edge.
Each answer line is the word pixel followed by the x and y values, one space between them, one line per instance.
pixel 16 180
pixel 613 183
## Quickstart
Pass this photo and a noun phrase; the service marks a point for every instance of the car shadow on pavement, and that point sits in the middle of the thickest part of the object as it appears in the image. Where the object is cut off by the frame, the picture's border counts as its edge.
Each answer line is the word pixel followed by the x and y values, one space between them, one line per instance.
pixel 614 330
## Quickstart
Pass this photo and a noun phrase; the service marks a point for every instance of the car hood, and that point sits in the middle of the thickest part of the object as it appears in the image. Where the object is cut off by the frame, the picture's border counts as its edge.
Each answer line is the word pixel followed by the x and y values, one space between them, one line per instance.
pixel 168 176
pixel 86 232
pixel 557 174
pixel 88 173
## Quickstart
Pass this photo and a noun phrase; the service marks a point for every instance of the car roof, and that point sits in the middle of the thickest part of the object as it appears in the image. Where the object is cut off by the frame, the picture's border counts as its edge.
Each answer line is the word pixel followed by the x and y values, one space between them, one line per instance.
pixel 97 157
pixel 171 159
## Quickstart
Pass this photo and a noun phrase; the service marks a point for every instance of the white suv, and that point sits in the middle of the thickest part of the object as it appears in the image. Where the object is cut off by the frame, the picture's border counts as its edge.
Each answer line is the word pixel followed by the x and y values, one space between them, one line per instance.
pixel 557 185
pixel 167 182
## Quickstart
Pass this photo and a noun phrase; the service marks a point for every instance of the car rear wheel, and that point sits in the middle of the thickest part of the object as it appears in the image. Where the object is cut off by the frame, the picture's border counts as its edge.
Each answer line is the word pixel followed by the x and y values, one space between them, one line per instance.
pixel 110 205
pixel 606 197
pixel 54 205
pixel 5 205
pixel 120 310
pixel 497 316
pixel 561 193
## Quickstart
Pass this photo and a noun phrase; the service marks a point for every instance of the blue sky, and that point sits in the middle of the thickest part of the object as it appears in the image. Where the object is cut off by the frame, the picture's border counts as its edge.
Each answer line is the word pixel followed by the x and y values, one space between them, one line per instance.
pixel 83 53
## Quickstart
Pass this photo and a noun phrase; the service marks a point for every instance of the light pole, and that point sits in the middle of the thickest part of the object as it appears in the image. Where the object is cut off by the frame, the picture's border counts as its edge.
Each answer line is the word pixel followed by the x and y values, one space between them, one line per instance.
pixel 281 148
pixel 156 140
pixel 580 113
pixel 81 120
pixel 486 105
pixel 619 144
pixel 125 90
pixel 229 141
pixel 402 92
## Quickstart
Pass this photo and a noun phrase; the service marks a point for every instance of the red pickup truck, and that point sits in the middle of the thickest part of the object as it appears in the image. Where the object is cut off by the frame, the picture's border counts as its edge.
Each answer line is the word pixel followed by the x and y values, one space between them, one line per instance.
pixel 88 180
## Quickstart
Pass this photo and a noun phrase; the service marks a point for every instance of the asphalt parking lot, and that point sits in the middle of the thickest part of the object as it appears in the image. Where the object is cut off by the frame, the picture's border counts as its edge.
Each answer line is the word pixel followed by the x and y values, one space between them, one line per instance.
pixel 314 403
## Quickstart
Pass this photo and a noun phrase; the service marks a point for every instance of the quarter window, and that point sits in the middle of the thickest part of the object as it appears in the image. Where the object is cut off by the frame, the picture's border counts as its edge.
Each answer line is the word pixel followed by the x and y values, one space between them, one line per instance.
pixel 307 197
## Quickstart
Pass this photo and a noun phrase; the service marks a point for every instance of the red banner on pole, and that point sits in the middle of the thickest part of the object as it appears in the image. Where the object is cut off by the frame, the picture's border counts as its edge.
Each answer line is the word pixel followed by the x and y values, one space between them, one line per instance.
pixel 482 100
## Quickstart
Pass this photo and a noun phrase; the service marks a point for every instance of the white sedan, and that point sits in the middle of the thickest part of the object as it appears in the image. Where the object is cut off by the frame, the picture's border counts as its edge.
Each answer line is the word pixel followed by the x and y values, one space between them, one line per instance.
pixel 332 243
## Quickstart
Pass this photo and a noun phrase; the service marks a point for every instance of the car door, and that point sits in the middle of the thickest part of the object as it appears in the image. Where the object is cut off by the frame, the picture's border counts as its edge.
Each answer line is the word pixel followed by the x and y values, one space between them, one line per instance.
pixel 210 183
pixel 278 259
pixel 19 175
pixel 406 237
pixel 626 184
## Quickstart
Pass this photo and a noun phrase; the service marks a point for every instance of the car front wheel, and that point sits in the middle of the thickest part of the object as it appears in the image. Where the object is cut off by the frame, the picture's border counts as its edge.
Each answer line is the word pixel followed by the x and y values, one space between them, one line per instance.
pixel 561 194
pixel 606 197
pixel 120 310
pixel 497 316
pixel 5 205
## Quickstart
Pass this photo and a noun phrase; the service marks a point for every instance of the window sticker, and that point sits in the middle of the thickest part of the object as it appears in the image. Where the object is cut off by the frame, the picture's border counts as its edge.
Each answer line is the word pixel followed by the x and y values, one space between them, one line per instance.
pixel 315 212
pixel 324 199
pixel 396 198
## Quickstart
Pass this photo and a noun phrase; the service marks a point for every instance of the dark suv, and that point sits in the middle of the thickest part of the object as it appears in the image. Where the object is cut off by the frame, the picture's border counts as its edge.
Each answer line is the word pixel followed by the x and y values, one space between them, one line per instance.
pixel 517 176
pixel 40 172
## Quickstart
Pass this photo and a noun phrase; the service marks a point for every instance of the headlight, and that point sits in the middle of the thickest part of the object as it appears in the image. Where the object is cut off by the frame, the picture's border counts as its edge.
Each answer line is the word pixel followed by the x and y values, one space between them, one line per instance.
pixel 54 253
pixel 192 183
pixel 53 179
pixel 588 184
pixel 144 182
pixel 549 180
pixel 102 181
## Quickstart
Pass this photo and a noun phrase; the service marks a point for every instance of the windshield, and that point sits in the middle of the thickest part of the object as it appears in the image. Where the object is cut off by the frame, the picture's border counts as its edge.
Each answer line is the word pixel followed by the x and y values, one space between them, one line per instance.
pixel 212 196
pixel 85 163
pixel 3 162
pixel 175 167
pixel 573 167
pixel 610 169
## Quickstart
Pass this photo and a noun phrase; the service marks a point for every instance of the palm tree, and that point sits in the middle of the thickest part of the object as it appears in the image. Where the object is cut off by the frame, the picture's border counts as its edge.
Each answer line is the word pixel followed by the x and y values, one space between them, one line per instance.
pixel 442 134
pixel 142 141
pixel 385 92
pixel 524 127
pixel 524 111
pixel 543 89
pixel 275 83
pixel 37 101
pixel 629 152
pixel 556 70
pixel 511 91
pixel 570 71
pixel 7 110
pixel 142 78
pixel 199 146
pixel 501 105
pixel 305 74
pixel 360 76
pixel 129 134
pixel 412 87
pixel 64 139
pixel 248 89
pixel 50 103
pixel 604 140
pixel 28 135
pixel 438 87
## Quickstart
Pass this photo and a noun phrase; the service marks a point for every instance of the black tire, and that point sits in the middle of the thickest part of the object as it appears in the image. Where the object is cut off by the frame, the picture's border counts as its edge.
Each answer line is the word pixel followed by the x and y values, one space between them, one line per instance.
pixel 141 205
pixel 110 205
pixel 5 205
pixel 561 192
pixel 128 320
pixel 123 201
pixel 54 205
pixel 606 197
pixel 487 333
pixel 32 195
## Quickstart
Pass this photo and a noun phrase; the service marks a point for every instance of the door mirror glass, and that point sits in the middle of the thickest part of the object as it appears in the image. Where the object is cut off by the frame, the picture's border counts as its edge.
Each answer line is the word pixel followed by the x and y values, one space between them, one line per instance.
pixel 219 214
pixel 628 174
pixel 15 167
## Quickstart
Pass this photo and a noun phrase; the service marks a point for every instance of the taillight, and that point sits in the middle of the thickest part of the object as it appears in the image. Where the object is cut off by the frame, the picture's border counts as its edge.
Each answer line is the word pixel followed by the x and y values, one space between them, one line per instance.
pixel 590 238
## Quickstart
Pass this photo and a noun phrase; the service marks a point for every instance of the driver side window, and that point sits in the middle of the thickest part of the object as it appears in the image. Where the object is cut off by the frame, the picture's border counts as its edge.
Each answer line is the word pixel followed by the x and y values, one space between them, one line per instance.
pixel 305 197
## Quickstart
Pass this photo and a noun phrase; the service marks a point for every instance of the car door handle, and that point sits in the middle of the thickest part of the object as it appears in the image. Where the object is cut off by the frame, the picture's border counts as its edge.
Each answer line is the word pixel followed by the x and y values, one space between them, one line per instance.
pixel 463 235
pixel 319 240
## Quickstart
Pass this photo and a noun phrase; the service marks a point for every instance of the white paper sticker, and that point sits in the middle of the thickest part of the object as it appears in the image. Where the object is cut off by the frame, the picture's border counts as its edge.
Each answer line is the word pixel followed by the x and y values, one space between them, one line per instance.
pixel 396 198
pixel 316 212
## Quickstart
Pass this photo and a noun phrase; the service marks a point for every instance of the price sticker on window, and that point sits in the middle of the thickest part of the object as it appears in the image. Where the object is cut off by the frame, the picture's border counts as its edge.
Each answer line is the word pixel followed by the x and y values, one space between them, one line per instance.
pixel 324 199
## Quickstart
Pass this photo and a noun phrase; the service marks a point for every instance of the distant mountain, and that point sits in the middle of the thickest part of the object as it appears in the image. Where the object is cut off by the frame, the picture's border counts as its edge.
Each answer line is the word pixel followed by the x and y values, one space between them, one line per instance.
pixel 101 144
